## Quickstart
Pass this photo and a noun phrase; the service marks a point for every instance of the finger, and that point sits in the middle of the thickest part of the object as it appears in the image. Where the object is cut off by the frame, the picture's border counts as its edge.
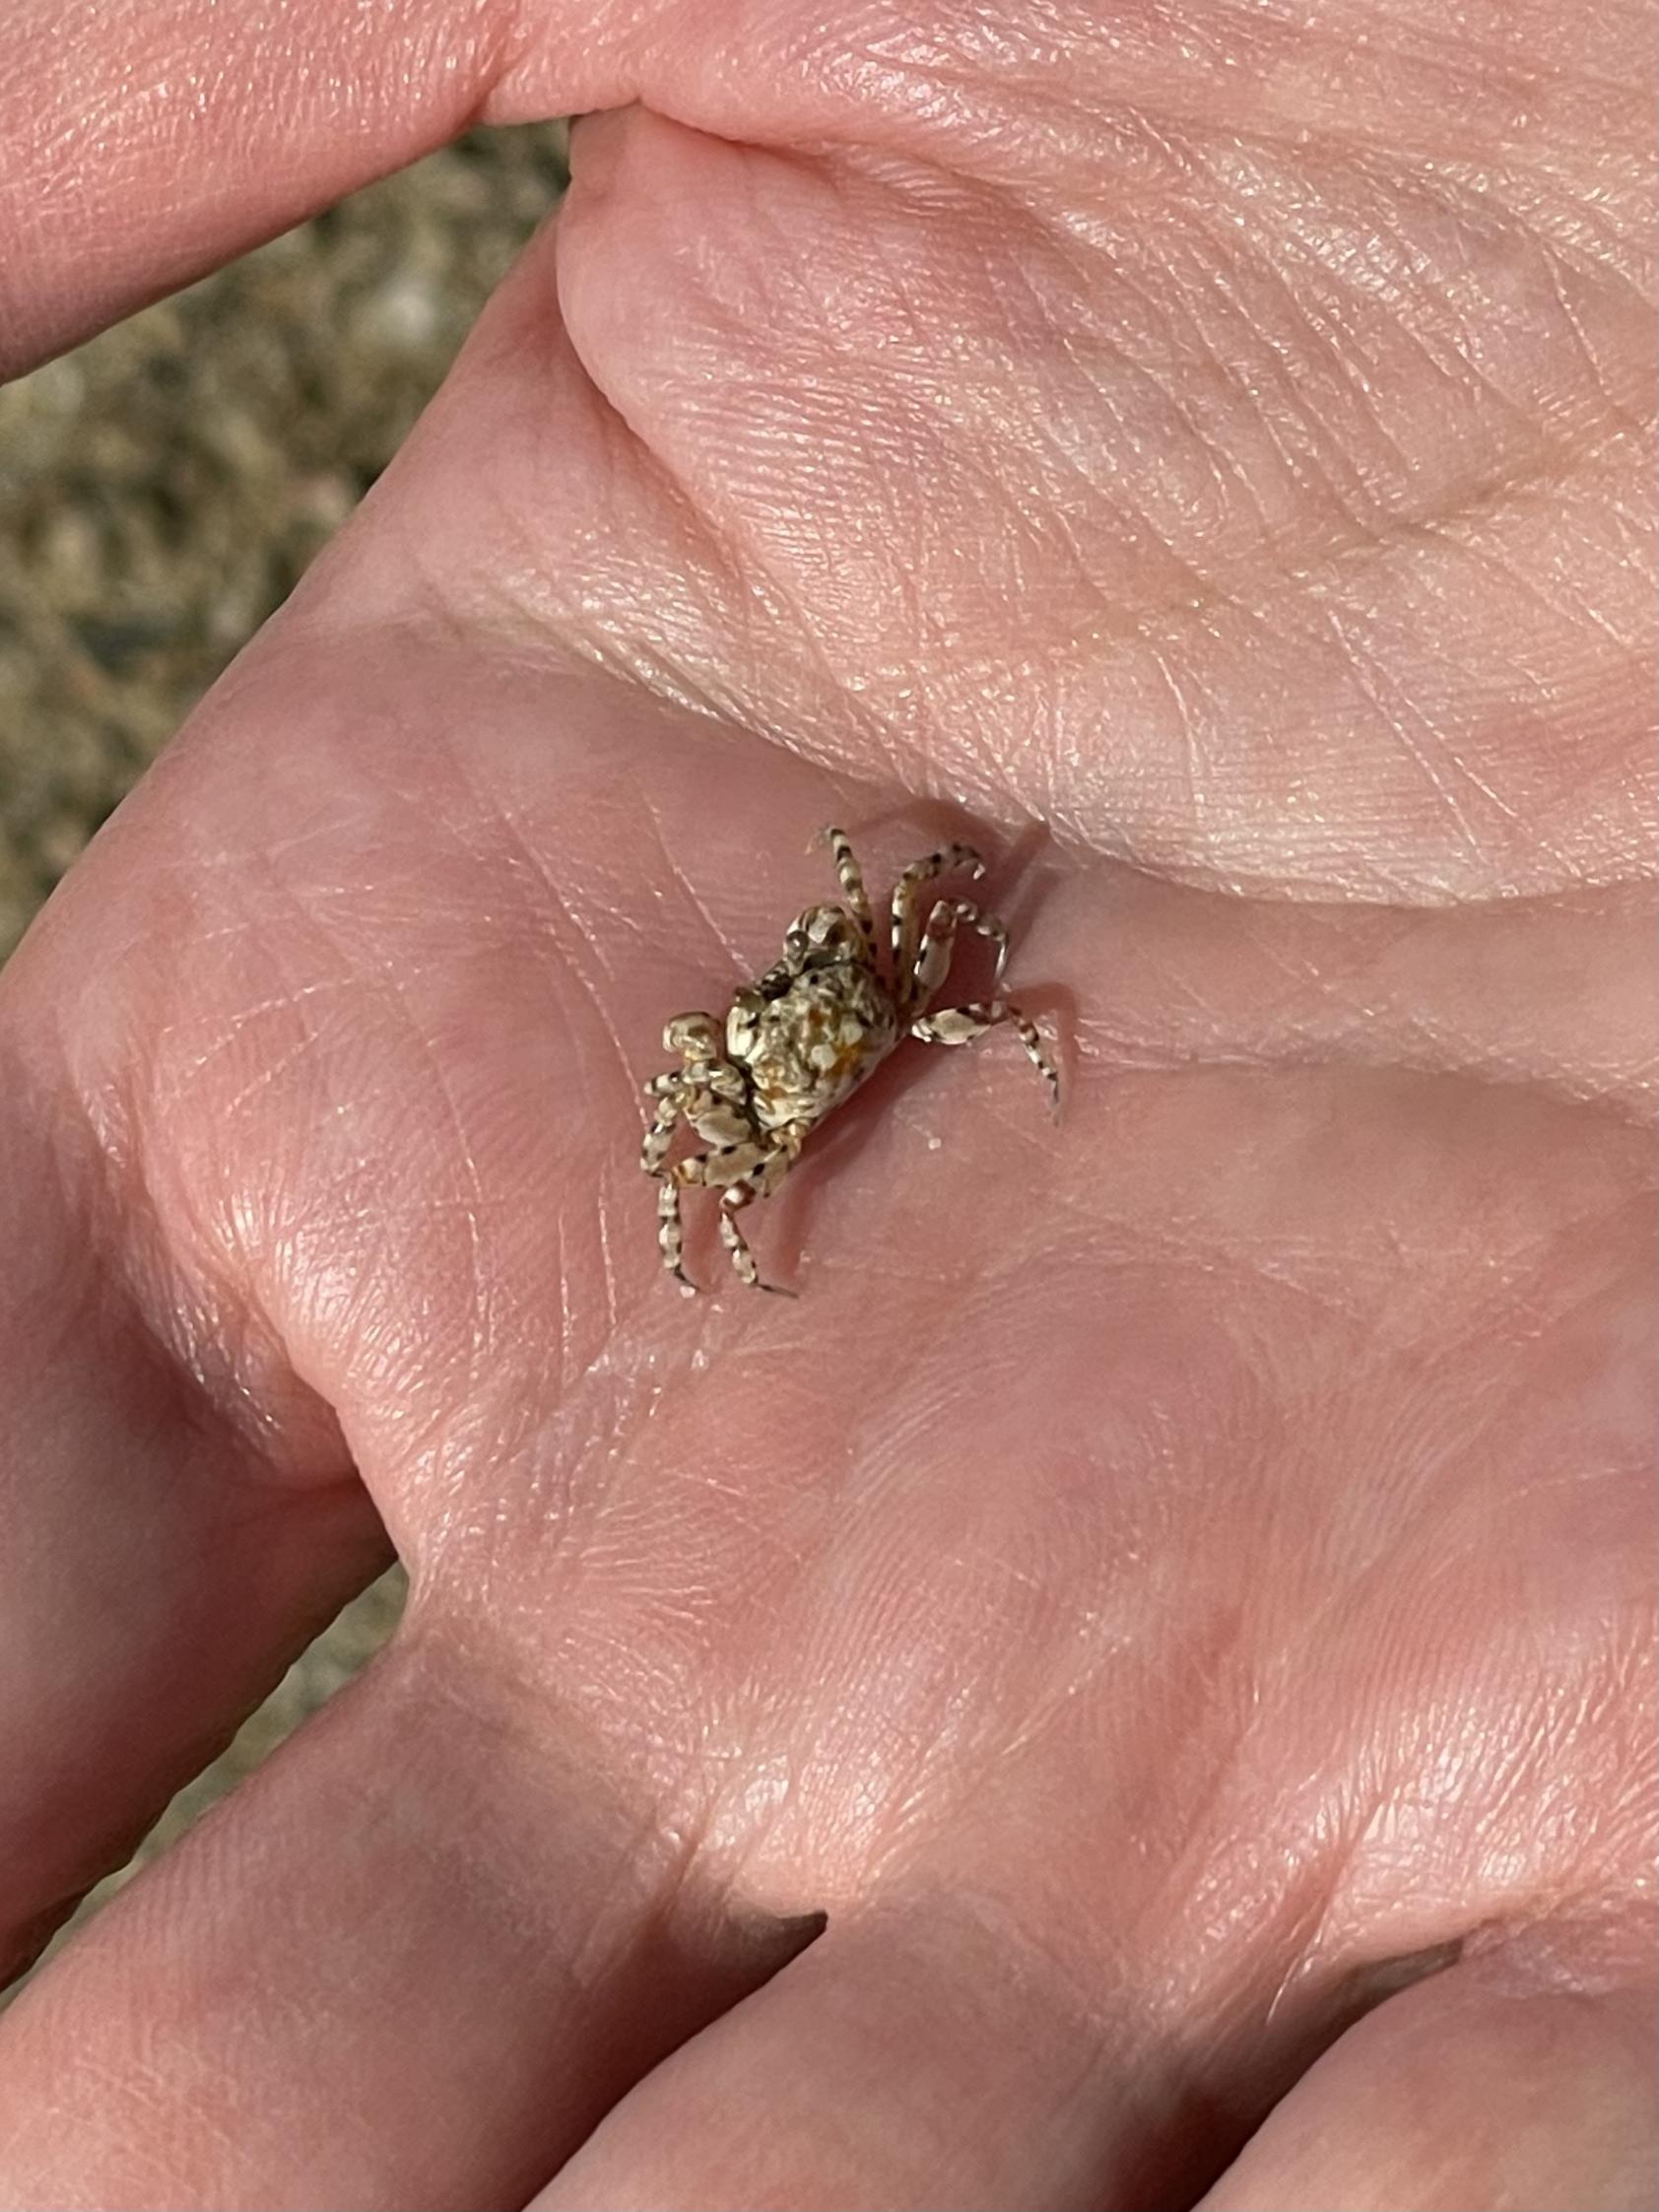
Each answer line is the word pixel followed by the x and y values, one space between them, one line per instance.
pixel 909 2063
pixel 902 2062
pixel 1477 2088
pixel 428 1944
pixel 166 1550
pixel 143 141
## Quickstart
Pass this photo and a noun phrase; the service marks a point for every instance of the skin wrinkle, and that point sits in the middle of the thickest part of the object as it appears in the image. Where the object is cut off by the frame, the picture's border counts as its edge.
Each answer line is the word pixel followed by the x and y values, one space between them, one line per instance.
pixel 782 601
pixel 277 1260
pixel 1311 471
pixel 1472 206
pixel 553 904
pixel 1334 356
pixel 1581 610
pixel 688 891
pixel 1396 722
pixel 481 1298
pixel 662 467
pixel 1549 467
pixel 179 1318
pixel 229 1034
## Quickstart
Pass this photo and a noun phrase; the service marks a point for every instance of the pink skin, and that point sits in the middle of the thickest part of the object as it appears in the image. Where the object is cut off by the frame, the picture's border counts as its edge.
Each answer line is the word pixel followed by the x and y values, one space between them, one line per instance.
pixel 1169 1581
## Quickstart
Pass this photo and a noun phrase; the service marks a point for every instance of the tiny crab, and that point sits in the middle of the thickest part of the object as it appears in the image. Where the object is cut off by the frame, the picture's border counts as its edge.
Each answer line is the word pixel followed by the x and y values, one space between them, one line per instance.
pixel 796 1042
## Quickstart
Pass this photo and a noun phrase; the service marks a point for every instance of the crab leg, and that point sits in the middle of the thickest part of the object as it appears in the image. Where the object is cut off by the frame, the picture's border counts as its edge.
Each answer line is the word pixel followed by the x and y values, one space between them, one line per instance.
pixel 669 1093
pixel 906 910
pixel 671 1233
pixel 759 1180
pixel 851 877
pixel 933 960
pixel 742 1260
pixel 962 1025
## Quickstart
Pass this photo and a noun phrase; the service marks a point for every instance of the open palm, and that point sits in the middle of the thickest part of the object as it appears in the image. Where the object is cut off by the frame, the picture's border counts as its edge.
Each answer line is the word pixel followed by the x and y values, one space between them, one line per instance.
pixel 990 1730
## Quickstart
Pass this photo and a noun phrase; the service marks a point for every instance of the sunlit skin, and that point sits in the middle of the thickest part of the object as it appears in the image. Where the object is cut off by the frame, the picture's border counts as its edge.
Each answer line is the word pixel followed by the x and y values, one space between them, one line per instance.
pixel 1135 1688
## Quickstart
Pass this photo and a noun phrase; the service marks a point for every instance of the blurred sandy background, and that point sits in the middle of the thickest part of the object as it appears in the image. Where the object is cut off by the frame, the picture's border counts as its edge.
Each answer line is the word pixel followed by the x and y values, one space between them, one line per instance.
pixel 161 491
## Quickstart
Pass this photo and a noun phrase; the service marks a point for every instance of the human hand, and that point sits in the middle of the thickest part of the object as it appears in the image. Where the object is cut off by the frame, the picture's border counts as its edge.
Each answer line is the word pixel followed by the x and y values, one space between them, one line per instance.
pixel 1168 1580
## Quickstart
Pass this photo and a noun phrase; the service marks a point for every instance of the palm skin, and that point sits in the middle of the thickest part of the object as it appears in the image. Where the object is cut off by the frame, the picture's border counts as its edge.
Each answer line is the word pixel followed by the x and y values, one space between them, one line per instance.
pixel 978 1733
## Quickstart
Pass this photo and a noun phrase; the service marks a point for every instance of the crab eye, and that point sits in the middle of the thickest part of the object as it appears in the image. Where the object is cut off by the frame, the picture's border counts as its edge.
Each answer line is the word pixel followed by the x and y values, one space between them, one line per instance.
pixel 821 929
pixel 693 1033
